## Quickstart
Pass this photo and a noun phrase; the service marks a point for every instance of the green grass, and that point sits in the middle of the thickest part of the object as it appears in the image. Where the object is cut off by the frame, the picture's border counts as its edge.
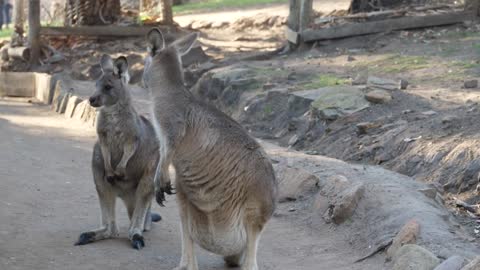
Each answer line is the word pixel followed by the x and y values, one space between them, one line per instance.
pixel 325 80
pixel 4 33
pixel 208 5
pixel 397 64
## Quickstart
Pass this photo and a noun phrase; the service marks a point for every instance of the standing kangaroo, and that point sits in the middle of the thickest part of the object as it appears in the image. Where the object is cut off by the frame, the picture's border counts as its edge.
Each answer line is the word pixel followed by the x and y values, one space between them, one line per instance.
pixel 225 184
pixel 126 142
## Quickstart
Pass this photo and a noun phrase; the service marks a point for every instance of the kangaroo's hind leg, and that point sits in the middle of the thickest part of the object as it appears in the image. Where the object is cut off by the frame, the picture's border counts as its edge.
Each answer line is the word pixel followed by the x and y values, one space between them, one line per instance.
pixel 188 260
pixel 107 198
pixel 253 236
pixel 143 198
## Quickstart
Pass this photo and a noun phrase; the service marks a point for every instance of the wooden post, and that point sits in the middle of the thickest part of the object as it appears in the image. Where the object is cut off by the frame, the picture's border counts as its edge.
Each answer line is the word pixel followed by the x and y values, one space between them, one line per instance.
pixel 34 31
pixel 473 6
pixel 299 18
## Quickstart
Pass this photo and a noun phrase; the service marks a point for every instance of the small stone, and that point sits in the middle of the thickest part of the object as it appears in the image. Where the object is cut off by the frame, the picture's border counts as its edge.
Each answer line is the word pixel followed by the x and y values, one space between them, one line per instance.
pixel 473 265
pixel 350 58
pixel 363 127
pixel 452 263
pixel 268 86
pixel 449 119
pixel 429 192
pixel 429 113
pixel 378 96
pixel 470 84
pixel 408 234
pixel 360 79
pixel 411 257
pixel 293 140
pixel 403 84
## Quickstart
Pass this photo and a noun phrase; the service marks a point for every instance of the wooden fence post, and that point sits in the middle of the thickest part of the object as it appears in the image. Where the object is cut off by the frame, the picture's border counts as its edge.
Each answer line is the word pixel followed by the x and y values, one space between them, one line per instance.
pixel 299 17
pixel 34 31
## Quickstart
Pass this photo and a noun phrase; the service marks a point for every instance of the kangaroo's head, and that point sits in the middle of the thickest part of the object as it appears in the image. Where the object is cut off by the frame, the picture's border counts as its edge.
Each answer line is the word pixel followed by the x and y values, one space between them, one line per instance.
pixel 163 64
pixel 111 87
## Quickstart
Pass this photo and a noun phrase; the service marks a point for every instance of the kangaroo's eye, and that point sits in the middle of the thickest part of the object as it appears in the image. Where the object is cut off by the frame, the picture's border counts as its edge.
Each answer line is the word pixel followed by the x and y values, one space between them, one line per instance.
pixel 107 87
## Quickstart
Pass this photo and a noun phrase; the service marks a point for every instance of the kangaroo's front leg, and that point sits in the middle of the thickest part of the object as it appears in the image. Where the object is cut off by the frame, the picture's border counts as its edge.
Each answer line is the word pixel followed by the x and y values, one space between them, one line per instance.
pixel 107 160
pixel 129 149
pixel 143 198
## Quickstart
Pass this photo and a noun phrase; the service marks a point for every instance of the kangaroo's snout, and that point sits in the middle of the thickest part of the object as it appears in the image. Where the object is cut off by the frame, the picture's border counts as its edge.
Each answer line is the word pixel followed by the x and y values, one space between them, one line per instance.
pixel 94 101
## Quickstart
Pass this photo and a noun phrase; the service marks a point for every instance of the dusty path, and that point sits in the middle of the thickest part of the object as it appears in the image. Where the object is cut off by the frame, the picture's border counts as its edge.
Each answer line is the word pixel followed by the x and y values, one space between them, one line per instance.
pixel 47 198
pixel 277 9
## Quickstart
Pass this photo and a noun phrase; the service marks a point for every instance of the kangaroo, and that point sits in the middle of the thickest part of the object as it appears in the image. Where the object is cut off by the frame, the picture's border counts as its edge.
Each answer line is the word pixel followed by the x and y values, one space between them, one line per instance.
pixel 126 142
pixel 225 184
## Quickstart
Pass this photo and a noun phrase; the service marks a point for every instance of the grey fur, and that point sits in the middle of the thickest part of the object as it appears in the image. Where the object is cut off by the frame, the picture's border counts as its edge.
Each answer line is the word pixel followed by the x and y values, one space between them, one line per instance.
pixel 226 187
pixel 125 156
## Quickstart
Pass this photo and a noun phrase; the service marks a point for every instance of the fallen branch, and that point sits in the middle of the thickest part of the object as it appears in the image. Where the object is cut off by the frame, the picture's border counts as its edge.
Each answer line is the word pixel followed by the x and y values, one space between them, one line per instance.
pixel 461 204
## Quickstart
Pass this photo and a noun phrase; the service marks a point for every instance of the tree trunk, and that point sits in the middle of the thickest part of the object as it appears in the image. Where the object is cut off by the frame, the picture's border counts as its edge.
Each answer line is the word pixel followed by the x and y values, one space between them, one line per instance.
pixel 34 31
pixel 91 12
pixel 166 12
pixel 18 23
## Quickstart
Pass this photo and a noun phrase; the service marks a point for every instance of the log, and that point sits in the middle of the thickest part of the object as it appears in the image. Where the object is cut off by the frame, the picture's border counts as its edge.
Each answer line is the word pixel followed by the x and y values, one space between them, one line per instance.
pixel 365 28
pixel 99 31
pixel 19 53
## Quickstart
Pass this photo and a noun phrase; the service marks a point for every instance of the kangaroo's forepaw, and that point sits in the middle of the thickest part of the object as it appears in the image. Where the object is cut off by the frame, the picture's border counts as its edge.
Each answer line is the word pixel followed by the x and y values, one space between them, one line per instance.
pixel 160 197
pixel 85 238
pixel 169 189
pixel 138 242
pixel 155 217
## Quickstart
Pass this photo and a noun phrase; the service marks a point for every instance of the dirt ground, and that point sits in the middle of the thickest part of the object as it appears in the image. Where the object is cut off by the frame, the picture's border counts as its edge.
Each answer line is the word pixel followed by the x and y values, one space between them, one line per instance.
pixel 48 198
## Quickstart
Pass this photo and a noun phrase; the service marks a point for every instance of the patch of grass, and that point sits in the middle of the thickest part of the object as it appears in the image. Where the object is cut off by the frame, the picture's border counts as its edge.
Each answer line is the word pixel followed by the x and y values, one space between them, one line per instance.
pixel 465 64
pixel 325 80
pixel 4 33
pixel 207 5
pixel 397 64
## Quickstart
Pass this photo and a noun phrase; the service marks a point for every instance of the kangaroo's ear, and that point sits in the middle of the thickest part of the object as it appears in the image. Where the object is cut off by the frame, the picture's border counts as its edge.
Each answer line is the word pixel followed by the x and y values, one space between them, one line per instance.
pixel 184 44
pixel 106 63
pixel 120 68
pixel 156 41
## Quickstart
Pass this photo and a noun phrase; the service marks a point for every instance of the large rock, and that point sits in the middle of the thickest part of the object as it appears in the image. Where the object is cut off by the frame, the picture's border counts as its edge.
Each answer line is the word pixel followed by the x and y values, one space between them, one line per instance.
pixel 407 235
pixel 452 263
pixel 294 183
pixel 413 257
pixel 473 265
pixel 72 103
pixel 378 96
pixel 343 198
pixel 341 100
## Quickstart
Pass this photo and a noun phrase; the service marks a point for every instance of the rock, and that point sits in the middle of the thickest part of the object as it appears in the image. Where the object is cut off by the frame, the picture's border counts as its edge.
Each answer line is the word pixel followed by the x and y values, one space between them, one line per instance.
pixel 473 265
pixel 403 84
pixel 363 127
pixel 294 183
pixel 378 96
pixel 350 58
pixel 343 197
pixel 80 110
pixel 408 234
pixel 343 100
pixel 449 119
pixel 330 114
pixel 360 79
pixel 381 83
pixel 268 86
pixel 470 84
pixel 453 263
pixel 201 24
pixel 413 257
pixel 72 103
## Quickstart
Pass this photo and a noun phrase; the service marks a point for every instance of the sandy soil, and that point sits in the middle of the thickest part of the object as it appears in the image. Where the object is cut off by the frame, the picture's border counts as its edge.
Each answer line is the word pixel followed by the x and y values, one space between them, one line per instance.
pixel 47 198
pixel 277 9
